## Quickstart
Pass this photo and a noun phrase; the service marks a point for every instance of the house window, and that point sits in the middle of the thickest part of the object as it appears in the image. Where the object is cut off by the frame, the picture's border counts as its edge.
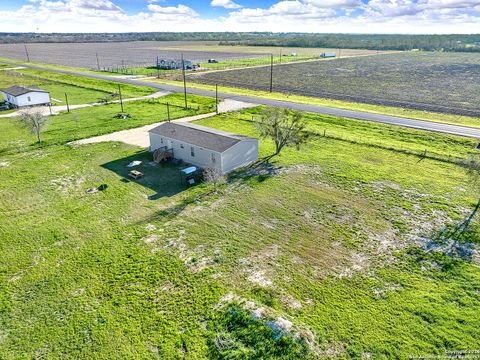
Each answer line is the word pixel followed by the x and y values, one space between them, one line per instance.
pixel 28 97
pixel 181 146
pixel 161 140
pixel 213 158
pixel 192 151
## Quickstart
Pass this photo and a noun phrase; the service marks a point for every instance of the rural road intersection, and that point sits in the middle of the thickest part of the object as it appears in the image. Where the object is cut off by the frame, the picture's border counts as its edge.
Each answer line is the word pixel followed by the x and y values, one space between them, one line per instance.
pixel 359 115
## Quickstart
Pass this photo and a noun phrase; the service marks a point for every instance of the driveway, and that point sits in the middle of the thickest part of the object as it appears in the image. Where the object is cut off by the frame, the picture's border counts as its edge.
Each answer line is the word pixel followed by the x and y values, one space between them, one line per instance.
pixel 139 136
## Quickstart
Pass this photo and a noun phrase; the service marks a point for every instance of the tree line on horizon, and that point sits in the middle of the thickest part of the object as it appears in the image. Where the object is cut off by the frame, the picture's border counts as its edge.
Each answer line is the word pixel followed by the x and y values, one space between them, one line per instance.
pixel 446 42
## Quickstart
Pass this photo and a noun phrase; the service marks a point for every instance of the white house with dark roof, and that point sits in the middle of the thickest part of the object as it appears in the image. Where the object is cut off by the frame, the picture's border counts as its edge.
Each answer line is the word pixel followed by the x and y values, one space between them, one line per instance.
pixel 203 146
pixel 19 96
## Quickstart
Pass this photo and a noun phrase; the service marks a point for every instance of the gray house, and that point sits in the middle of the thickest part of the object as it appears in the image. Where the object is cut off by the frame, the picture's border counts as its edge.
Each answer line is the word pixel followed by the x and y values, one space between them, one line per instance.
pixel 203 146
pixel 166 64
pixel 19 96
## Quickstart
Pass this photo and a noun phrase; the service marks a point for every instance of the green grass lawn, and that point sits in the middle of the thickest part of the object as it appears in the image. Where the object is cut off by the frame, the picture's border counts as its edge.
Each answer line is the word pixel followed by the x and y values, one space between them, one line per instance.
pixel 329 238
pixel 99 120
pixel 80 90
pixel 76 94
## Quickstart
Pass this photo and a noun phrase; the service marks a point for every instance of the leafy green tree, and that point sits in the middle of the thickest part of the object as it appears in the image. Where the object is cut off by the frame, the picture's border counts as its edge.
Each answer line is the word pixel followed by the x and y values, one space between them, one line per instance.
pixel 283 126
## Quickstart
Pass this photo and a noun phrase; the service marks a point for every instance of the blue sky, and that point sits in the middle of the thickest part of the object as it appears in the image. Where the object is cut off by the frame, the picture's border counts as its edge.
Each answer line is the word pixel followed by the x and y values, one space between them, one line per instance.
pixel 363 16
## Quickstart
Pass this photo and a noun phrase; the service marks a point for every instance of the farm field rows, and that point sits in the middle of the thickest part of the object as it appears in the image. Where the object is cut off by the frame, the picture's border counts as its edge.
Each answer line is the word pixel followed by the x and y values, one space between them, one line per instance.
pixel 142 54
pixel 430 81
pixel 131 54
pixel 330 239
pixel 469 121
pixel 275 50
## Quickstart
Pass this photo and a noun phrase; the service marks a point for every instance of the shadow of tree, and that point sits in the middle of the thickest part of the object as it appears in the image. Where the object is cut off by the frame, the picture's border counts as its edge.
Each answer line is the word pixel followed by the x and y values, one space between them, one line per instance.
pixel 261 169
pixel 461 246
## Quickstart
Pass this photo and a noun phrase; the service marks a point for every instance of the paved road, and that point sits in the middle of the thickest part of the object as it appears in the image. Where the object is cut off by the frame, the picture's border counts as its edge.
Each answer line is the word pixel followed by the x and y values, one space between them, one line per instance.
pixel 359 115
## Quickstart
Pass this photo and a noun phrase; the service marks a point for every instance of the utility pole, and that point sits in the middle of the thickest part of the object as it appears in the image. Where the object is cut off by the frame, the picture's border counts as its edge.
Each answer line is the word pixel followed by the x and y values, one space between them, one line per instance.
pixel 280 57
pixel 184 83
pixel 26 51
pixel 271 73
pixel 98 63
pixel 216 98
pixel 120 94
pixel 168 111
pixel 158 70
pixel 66 100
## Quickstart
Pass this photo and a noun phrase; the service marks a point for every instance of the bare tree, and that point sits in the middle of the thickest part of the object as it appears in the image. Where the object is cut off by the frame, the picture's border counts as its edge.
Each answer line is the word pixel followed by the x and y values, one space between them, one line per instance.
pixel 283 126
pixel 35 121
pixel 212 176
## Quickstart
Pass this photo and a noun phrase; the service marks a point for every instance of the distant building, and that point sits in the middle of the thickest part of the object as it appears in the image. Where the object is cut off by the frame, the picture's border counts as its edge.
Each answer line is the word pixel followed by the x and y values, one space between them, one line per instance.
pixel 328 54
pixel 19 96
pixel 166 64
pixel 203 146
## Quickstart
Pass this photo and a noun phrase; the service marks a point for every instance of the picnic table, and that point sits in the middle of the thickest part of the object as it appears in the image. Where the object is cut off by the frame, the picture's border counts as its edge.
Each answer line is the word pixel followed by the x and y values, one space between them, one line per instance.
pixel 135 174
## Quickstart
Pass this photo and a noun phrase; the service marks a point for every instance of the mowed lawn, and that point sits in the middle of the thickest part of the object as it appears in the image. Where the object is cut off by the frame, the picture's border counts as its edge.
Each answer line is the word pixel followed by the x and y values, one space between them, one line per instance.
pixel 79 90
pixel 329 238
pixel 99 120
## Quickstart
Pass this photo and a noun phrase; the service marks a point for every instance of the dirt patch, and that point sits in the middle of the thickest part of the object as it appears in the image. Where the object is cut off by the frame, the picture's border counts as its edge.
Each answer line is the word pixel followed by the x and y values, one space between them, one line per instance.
pixel 259 267
pixel 150 227
pixel 68 182
pixel 229 105
pixel 259 278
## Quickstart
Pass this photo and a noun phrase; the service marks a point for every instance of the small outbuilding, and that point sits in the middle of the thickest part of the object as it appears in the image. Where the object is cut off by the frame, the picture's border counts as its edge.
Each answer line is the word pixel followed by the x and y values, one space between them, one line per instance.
pixel 328 55
pixel 203 146
pixel 19 96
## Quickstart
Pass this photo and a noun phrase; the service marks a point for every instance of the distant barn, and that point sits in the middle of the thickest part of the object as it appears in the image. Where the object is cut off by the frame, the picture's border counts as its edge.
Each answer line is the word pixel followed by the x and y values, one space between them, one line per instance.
pixel 19 96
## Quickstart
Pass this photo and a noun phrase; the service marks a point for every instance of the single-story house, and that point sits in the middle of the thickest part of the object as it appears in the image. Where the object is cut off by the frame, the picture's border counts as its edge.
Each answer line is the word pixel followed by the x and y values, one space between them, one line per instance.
pixel 166 64
pixel 203 146
pixel 19 96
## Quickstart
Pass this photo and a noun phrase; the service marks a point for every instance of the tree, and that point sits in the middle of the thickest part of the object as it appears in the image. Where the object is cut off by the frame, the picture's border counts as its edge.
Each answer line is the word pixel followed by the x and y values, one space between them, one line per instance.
pixel 212 176
pixel 35 121
pixel 284 127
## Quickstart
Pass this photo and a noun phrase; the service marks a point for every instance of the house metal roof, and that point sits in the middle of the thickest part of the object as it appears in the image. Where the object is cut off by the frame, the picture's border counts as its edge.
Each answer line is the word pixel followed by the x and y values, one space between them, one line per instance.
pixel 202 136
pixel 20 90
